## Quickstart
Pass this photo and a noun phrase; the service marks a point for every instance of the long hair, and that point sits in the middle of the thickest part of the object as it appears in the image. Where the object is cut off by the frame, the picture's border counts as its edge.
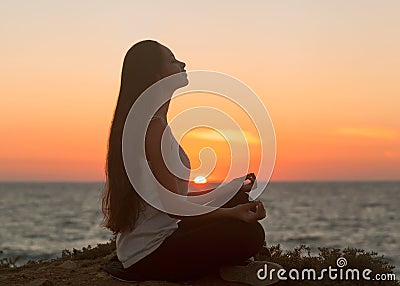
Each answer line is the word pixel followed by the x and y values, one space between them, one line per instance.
pixel 121 204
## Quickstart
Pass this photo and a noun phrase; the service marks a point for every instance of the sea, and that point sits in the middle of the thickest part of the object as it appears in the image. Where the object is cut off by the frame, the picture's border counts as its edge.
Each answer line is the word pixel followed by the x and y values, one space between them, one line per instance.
pixel 40 219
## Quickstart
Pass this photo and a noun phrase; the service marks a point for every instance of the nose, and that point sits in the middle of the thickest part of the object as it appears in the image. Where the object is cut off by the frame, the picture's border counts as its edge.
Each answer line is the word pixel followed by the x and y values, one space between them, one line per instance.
pixel 183 64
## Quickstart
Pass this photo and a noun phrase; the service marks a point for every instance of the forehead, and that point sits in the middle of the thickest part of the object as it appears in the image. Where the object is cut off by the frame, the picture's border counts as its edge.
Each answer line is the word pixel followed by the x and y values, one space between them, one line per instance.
pixel 166 52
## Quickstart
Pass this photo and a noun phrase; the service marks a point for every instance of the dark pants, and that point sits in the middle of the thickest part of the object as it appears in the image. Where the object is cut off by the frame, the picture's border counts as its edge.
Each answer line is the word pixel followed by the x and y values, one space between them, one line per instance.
pixel 195 250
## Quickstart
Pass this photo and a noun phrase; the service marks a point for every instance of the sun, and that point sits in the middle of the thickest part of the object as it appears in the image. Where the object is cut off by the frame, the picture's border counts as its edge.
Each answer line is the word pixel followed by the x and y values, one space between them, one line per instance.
pixel 200 180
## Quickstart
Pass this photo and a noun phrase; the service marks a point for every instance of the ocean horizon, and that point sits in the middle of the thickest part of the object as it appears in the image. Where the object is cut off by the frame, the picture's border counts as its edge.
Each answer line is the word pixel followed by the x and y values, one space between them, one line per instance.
pixel 40 218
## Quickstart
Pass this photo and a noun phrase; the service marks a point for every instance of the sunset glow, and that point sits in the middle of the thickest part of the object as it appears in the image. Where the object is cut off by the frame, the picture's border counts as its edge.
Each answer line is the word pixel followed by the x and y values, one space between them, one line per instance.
pixel 328 73
pixel 200 180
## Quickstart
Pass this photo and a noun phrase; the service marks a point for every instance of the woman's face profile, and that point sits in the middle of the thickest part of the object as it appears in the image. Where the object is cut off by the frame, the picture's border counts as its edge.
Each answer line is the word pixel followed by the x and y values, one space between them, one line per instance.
pixel 170 65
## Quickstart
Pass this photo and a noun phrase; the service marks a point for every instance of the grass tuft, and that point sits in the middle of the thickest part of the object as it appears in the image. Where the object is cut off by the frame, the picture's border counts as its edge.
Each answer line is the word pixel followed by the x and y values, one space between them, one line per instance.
pixel 101 250
pixel 300 258
pixel 8 262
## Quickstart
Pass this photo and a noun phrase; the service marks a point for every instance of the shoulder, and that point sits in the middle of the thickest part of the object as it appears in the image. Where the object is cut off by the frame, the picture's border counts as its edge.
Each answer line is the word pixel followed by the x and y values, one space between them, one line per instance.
pixel 157 118
pixel 156 126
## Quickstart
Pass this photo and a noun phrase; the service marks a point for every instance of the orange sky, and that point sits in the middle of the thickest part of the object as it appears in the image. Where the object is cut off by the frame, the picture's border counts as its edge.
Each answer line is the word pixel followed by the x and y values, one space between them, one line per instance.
pixel 327 71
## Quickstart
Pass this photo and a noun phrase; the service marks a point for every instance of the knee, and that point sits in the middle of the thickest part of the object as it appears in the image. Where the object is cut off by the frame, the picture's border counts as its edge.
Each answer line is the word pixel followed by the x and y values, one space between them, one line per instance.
pixel 258 235
pixel 249 235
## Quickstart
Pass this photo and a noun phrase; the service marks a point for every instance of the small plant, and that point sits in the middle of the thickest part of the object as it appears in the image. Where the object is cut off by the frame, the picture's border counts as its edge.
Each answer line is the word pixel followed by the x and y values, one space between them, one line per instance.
pixel 101 250
pixel 300 258
pixel 8 262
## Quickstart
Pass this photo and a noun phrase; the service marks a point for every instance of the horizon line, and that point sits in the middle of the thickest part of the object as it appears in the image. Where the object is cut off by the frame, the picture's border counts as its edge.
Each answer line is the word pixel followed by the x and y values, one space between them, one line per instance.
pixel 215 182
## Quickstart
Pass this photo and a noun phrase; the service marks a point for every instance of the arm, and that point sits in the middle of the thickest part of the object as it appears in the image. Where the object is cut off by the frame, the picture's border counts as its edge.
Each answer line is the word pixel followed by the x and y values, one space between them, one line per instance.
pixel 153 154
pixel 242 212
pixel 168 180
pixel 244 188
pixel 198 193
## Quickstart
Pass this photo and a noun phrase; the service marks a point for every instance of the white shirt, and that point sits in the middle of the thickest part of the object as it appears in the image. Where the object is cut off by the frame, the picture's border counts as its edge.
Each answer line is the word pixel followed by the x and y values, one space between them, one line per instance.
pixel 152 227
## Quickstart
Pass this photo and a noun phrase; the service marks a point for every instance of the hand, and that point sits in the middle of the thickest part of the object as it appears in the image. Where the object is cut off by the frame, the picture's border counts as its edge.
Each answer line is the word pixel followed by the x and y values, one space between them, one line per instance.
pixel 244 212
pixel 247 187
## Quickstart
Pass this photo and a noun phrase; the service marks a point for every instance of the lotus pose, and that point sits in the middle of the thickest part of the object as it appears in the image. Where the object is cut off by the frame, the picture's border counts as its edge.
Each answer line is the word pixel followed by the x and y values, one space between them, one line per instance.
pixel 152 244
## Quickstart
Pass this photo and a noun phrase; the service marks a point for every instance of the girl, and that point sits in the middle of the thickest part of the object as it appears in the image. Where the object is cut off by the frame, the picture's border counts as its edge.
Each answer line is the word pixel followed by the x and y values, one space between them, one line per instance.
pixel 151 244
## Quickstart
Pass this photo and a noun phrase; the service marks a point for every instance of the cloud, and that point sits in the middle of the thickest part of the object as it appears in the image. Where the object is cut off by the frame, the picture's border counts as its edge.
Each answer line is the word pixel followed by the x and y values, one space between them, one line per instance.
pixel 233 136
pixel 392 154
pixel 375 132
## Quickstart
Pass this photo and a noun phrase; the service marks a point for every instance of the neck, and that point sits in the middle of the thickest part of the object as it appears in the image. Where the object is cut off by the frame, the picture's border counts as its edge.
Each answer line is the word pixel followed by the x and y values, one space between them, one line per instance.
pixel 166 94
pixel 163 110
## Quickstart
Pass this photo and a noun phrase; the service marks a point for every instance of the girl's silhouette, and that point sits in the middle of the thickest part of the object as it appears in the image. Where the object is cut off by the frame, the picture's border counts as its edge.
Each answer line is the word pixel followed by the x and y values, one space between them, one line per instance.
pixel 151 244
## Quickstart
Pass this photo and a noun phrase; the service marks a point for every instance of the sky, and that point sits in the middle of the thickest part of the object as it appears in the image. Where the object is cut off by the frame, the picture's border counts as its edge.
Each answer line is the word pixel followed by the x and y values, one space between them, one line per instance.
pixel 328 73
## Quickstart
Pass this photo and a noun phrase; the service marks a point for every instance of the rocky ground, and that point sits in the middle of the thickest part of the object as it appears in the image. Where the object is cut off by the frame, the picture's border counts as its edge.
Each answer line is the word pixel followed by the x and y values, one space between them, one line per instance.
pixel 77 272
pixel 79 267
pixel 83 267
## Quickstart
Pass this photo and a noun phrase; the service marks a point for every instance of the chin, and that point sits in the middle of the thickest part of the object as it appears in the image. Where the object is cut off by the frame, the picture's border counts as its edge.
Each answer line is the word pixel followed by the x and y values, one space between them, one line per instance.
pixel 182 80
pixel 186 81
